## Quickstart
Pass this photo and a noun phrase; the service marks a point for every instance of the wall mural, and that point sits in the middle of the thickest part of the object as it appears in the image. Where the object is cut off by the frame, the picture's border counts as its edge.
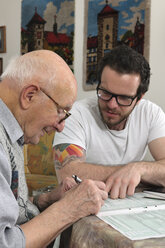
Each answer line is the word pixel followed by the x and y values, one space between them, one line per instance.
pixel 48 25
pixel 111 23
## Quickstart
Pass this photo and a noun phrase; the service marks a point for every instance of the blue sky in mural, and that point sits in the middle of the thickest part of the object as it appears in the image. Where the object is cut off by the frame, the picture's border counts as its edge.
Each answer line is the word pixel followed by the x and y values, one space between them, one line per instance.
pixel 129 10
pixel 63 9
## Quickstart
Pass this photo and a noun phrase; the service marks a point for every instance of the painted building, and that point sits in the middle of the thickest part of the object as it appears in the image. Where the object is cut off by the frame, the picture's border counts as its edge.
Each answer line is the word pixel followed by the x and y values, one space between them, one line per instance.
pixel 97 46
pixel 107 22
pixel 36 38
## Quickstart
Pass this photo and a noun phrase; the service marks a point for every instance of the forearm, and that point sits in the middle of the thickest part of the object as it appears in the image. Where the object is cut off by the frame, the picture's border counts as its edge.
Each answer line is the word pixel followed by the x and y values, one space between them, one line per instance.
pixel 85 170
pixel 153 172
pixel 80 201
pixel 44 228
pixel 70 159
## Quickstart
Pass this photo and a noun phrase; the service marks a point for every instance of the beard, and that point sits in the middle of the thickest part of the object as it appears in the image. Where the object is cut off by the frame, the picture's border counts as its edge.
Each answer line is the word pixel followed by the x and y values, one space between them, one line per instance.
pixel 112 124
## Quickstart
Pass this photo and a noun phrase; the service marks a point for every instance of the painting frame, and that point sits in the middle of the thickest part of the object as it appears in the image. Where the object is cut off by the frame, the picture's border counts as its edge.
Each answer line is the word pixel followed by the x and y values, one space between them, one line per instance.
pixel 2 39
pixel 1 66
pixel 92 86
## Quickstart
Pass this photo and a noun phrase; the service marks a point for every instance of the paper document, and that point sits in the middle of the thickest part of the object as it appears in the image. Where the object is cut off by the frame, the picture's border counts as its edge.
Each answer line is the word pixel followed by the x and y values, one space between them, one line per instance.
pixel 155 195
pixel 136 217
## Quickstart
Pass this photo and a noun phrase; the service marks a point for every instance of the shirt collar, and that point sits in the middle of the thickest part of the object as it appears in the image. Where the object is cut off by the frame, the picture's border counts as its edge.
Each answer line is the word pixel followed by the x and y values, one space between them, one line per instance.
pixel 10 124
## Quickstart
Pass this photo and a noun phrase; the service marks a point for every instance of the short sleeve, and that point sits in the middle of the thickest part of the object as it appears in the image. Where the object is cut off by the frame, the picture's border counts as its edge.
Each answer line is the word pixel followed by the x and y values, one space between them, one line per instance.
pixel 74 130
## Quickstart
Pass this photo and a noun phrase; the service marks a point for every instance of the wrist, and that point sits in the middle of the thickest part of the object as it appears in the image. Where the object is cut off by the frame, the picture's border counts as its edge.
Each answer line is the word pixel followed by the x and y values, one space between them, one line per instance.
pixel 41 201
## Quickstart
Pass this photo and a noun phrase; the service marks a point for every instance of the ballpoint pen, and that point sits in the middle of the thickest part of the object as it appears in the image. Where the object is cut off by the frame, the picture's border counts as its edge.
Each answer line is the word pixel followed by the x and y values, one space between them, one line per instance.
pixel 77 179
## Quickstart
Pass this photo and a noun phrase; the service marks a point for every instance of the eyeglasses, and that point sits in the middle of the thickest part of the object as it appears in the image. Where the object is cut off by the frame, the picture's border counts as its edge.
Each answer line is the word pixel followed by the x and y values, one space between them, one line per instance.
pixel 67 114
pixel 120 99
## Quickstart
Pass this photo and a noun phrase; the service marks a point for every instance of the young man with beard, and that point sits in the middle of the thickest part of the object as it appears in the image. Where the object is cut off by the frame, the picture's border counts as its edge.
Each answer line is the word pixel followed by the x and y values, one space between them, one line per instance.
pixel 107 136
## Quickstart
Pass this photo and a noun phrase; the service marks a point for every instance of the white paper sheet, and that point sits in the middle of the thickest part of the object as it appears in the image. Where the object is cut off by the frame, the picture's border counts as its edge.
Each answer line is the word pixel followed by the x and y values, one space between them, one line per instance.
pixel 136 217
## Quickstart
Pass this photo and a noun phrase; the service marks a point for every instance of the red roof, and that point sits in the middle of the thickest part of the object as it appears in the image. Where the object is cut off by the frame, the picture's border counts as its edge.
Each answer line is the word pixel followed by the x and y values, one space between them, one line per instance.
pixel 58 39
pixel 107 10
pixel 92 42
pixel 23 30
pixel 37 19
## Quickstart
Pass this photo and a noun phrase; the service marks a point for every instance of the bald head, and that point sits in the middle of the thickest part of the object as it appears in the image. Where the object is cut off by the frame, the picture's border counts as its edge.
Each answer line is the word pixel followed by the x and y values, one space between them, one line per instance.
pixel 56 76
pixel 45 68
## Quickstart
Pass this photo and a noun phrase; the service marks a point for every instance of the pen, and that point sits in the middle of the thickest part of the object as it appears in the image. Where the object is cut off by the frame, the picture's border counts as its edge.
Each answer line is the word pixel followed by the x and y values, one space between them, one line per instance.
pixel 77 179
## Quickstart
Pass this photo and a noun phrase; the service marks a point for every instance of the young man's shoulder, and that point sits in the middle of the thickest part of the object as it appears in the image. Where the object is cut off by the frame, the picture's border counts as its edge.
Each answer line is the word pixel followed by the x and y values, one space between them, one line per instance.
pixel 147 105
pixel 86 103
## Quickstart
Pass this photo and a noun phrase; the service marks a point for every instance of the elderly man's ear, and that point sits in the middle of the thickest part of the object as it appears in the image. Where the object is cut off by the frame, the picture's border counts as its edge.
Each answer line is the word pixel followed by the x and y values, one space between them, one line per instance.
pixel 28 94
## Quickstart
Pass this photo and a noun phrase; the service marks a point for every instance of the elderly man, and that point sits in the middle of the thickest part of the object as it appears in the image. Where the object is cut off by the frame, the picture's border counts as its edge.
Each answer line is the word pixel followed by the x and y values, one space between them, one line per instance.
pixel 36 92
pixel 106 137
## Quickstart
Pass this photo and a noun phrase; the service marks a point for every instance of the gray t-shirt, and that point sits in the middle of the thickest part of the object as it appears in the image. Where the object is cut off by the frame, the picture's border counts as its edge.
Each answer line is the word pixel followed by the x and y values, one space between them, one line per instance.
pixel 15 208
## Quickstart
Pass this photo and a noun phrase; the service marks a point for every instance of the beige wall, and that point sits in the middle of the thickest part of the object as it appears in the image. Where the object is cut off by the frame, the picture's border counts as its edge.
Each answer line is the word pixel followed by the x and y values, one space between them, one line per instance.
pixel 10 16
pixel 156 92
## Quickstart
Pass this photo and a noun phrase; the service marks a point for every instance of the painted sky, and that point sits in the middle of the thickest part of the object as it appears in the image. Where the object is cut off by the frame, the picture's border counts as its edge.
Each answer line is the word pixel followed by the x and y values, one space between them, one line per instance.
pixel 129 10
pixel 63 9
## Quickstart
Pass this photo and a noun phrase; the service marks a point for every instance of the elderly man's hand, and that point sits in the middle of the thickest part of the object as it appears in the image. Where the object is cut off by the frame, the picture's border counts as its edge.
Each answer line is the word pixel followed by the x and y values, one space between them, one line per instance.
pixel 45 200
pixel 64 186
pixel 85 199
pixel 124 181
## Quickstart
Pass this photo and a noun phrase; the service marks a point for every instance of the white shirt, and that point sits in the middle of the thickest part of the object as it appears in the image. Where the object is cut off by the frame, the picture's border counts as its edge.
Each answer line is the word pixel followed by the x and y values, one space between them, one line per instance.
pixel 110 147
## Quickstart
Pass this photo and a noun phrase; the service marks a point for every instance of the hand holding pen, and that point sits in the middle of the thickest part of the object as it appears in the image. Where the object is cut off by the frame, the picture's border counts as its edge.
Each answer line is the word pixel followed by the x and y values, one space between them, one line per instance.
pixel 85 199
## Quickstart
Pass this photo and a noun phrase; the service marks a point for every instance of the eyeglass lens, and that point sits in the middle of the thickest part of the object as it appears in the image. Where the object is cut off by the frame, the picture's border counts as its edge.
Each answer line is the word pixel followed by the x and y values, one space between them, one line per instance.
pixel 121 99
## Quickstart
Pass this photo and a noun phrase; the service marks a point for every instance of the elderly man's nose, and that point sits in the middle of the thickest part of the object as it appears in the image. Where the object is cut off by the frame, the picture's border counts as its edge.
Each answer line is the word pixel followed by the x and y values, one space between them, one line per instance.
pixel 60 126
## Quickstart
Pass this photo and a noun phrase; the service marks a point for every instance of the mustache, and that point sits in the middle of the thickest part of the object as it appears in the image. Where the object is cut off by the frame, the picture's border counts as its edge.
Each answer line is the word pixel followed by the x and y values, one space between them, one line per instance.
pixel 112 111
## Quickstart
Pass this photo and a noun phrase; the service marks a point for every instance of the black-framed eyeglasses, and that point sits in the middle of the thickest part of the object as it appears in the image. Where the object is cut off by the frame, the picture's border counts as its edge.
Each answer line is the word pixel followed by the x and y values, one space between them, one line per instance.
pixel 59 108
pixel 121 100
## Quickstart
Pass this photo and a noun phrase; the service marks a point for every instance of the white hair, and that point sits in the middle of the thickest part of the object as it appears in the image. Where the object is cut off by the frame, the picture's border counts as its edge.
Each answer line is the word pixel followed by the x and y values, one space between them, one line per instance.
pixel 25 68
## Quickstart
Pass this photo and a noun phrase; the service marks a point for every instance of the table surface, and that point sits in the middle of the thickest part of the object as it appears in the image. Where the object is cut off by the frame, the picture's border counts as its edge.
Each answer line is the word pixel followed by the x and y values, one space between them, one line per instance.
pixel 91 232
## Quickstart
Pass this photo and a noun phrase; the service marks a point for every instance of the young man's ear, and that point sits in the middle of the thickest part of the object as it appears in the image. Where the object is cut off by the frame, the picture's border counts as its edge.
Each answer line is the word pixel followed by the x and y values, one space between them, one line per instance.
pixel 27 95
pixel 140 98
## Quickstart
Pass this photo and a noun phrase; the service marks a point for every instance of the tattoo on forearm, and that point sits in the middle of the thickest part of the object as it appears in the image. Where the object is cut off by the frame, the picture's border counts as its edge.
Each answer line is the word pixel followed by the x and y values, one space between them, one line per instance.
pixel 66 153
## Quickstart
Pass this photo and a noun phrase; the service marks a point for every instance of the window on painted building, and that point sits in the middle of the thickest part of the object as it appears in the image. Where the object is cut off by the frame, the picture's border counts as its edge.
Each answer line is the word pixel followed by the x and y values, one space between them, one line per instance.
pixel 107 37
pixel 107 27
pixel 38 35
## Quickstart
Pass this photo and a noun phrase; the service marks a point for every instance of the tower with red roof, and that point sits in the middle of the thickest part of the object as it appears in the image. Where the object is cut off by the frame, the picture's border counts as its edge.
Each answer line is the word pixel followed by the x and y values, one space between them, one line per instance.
pixel 97 46
pixel 35 38
pixel 35 29
pixel 107 21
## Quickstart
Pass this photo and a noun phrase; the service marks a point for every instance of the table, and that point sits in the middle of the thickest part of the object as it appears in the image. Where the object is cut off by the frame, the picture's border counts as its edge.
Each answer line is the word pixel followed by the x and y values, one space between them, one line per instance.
pixel 91 232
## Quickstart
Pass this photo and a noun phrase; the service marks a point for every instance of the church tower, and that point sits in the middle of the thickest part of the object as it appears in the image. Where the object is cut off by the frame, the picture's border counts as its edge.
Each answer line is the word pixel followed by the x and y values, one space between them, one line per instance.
pixel 107 21
pixel 55 25
pixel 35 28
